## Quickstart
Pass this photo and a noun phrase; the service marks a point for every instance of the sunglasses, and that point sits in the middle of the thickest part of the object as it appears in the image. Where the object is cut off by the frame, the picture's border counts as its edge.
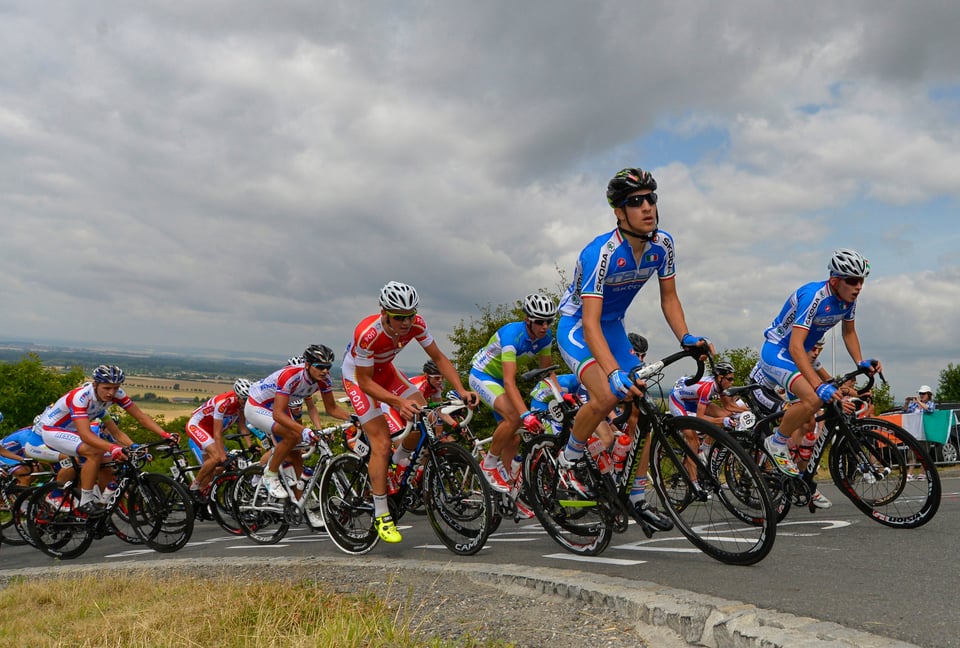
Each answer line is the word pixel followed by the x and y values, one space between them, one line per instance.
pixel 639 199
pixel 434 376
pixel 320 366
pixel 542 322
pixel 401 316
pixel 853 281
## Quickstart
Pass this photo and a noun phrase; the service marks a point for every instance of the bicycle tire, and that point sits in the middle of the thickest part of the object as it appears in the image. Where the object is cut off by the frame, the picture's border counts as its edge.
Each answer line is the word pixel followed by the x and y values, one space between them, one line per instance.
pixel 262 522
pixel 20 515
pixel 54 528
pixel 161 512
pixel 707 518
pixel 120 524
pixel 9 533
pixel 347 503
pixel 773 478
pixel 572 521
pixel 458 499
pixel 221 502
pixel 889 499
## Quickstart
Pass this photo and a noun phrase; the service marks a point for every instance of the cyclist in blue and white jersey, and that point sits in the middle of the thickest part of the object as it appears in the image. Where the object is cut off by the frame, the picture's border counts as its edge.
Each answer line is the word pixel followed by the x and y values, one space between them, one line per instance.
pixel 811 311
pixel 493 376
pixel 610 272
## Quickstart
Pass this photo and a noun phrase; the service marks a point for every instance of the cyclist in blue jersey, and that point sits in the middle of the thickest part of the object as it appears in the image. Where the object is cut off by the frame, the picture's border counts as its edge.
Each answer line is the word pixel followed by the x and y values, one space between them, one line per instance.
pixel 493 376
pixel 610 271
pixel 811 311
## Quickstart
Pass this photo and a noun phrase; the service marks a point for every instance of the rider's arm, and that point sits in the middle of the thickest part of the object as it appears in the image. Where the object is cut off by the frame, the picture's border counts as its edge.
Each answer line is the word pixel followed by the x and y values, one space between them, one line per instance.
pixel 281 412
pixel 510 386
pixel 593 335
pixel 672 308
pixel 146 421
pixel 332 407
pixel 88 437
pixel 312 412
pixel 114 430
pixel 801 358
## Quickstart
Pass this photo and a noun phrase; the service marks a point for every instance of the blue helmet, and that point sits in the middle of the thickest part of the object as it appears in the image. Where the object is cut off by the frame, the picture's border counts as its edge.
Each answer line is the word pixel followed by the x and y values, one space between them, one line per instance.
pixel 110 374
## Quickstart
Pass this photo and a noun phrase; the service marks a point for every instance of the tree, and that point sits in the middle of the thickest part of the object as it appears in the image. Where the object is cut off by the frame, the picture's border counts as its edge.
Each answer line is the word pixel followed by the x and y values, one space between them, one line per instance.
pixel 949 386
pixel 743 360
pixel 27 387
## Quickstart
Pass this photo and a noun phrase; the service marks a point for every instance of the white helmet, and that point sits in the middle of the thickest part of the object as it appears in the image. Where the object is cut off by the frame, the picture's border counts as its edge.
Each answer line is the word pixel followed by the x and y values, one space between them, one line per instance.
pixel 537 306
pixel 241 388
pixel 396 296
pixel 848 263
pixel 295 360
pixel 295 402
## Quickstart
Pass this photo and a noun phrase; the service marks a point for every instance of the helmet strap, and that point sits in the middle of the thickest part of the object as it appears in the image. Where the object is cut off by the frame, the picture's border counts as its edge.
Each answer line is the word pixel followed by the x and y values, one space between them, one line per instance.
pixel 631 233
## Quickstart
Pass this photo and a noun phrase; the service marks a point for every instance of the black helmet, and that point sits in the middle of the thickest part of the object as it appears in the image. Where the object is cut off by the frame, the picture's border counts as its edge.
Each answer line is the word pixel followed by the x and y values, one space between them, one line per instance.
pixel 626 182
pixel 319 353
pixel 430 367
pixel 722 369
pixel 638 342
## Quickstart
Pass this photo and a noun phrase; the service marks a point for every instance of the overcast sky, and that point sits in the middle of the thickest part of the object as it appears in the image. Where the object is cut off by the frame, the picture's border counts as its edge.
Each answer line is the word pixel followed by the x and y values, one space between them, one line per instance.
pixel 246 175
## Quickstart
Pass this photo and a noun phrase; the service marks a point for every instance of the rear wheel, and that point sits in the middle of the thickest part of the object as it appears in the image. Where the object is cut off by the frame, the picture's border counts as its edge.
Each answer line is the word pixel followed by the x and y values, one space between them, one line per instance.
pixel 221 502
pixel 8 509
pixel 54 527
pixel 574 522
pixel 260 516
pixel 347 502
pixel 873 473
pixel 457 498
pixel 726 509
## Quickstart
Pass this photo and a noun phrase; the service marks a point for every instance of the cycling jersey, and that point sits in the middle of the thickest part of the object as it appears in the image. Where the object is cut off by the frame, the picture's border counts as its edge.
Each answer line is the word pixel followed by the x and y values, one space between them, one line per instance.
pixel 222 407
pixel 606 269
pixel 293 381
pixel 430 394
pixel 509 342
pixel 541 394
pixel 79 403
pixel 814 307
pixel 685 399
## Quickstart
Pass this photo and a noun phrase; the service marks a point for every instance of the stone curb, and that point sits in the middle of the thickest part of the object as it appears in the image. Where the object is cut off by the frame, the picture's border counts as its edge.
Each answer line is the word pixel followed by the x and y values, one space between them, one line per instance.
pixel 697 619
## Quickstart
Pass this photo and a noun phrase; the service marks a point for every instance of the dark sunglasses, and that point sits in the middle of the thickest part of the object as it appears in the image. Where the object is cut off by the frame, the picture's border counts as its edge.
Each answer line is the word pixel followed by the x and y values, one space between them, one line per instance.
pixel 320 366
pixel 434 376
pixel 639 199
pixel 541 322
pixel 853 281
pixel 402 316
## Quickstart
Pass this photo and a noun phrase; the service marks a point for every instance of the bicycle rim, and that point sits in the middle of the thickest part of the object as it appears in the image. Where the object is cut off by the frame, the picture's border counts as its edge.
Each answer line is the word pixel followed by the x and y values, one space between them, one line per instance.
pixel 575 523
pixel 54 528
pixel 261 518
pixel 347 503
pixel 714 509
pixel 9 533
pixel 458 500
pixel 161 512
pixel 740 482
pixel 120 523
pixel 879 486
pixel 221 502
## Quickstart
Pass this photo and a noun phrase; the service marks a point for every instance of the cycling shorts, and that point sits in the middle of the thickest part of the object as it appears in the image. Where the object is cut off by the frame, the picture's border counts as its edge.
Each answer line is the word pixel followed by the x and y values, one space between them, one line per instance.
pixel 40 452
pixel 576 353
pixel 488 387
pixel 62 440
pixel 201 437
pixel 778 367
pixel 368 408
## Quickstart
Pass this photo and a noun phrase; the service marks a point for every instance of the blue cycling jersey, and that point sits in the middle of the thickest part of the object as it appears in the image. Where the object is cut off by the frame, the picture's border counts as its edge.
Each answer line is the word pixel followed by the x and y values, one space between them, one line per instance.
pixel 511 341
pixel 17 441
pixel 813 306
pixel 607 269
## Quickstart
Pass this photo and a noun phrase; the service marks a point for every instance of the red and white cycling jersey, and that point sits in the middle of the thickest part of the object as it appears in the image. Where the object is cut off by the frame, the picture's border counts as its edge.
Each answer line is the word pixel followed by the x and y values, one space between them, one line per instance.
pixel 373 347
pixel 430 394
pixel 292 381
pixel 79 403
pixel 222 407
pixel 686 398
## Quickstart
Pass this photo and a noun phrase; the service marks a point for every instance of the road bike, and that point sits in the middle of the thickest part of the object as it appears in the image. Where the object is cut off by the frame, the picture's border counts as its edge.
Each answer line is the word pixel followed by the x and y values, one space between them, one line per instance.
pixel 266 519
pixel 13 498
pixel 691 487
pixel 457 498
pixel 869 460
pixel 155 508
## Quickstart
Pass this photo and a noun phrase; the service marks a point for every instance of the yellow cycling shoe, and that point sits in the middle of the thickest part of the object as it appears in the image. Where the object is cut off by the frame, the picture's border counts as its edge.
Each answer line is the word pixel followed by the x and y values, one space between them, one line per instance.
pixel 386 529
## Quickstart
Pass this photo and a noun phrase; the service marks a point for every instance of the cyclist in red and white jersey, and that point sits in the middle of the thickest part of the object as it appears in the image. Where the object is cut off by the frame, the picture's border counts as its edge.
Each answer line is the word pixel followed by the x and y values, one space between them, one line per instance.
pixel 207 425
pixel 66 427
pixel 370 378
pixel 267 407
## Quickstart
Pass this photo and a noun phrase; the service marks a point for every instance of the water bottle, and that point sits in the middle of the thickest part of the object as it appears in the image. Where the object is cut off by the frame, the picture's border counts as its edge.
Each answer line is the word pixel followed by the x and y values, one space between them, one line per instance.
pixel 289 474
pixel 393 482
pixel 600 455
pixel 108 492
pixel 620 449
pixel 307 473
pixel 806 445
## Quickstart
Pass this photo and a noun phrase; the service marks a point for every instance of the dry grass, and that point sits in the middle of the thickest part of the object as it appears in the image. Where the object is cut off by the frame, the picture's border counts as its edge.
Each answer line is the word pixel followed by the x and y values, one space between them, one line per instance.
pixel 126 610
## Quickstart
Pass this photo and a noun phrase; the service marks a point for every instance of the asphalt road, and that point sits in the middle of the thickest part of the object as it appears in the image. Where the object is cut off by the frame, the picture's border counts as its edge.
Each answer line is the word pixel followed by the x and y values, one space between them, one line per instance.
pixel 835 565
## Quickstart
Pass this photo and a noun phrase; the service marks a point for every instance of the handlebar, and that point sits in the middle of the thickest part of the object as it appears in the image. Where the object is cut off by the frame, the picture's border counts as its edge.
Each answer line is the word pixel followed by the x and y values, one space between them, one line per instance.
pixel 430 408
pixel 698 352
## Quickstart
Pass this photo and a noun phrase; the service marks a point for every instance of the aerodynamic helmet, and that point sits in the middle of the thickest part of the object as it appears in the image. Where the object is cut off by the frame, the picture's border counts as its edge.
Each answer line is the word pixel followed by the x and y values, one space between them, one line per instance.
pixel 626 182
pixel 537 306
pixel 319 353
pixel 430 368
pixel 848 263
pixel 241 388
pixel 722 369
pixel 396 296
pixel 110 374
pixel 638 342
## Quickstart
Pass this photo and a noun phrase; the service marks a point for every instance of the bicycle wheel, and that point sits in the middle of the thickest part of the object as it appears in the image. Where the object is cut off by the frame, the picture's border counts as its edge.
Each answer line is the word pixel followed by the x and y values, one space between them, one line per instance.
pixel 458 500
pixel 260 516
pixel 8 514
pixel 53 526
pixel 575 523
pixel 160 511
pixel 347 503
pixel 221 502
pixel 120 524
pixel 740 483
pixel 713 506
pixel 872 473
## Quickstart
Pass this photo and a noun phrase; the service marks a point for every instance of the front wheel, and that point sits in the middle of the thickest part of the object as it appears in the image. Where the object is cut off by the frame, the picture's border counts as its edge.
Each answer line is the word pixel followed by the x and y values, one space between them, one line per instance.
pixel 347 502
pixel 54 527
pixel 457 498
pixel 160 511
pixel 221 502
pixel 718 501
pixel 260 516
pixel 886 473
